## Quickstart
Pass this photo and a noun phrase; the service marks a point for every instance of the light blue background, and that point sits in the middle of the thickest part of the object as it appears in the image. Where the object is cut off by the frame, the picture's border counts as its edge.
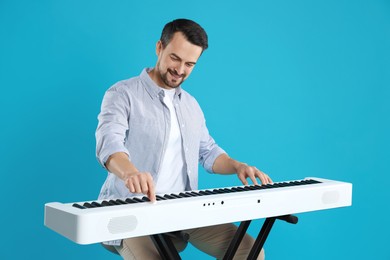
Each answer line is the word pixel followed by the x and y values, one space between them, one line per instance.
pixel 297 88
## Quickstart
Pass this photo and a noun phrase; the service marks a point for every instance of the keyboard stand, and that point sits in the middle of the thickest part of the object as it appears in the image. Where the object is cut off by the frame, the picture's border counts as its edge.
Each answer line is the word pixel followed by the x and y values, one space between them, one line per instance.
pixel 261 238
pixel 168 251
pixel 165 247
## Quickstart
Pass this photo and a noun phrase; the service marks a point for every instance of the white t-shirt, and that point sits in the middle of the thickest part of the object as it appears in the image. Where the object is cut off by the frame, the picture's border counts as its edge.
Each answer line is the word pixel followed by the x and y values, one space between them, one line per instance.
pixel 172 175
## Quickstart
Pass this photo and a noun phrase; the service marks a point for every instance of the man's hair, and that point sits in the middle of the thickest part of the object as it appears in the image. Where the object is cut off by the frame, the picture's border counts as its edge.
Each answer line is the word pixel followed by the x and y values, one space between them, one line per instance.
pixel 192 31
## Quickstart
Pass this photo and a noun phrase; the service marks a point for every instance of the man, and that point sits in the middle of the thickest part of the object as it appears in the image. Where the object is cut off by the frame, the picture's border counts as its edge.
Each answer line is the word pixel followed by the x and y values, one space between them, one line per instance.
pixel 152 135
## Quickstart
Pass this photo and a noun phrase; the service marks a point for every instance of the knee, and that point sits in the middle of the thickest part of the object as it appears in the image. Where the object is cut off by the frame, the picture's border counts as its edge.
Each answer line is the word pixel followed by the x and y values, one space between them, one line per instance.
pixel 261 255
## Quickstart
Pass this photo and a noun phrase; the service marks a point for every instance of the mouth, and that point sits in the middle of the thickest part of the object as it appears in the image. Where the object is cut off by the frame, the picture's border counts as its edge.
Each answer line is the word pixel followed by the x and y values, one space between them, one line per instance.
pixel 175 75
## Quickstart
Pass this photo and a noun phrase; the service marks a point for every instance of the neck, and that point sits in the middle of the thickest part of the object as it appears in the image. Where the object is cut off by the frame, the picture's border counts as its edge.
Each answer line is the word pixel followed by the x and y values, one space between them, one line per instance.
pixel 153 73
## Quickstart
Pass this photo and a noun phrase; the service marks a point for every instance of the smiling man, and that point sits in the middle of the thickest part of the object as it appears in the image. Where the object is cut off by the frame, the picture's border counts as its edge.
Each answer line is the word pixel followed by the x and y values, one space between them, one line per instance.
pixel 152 135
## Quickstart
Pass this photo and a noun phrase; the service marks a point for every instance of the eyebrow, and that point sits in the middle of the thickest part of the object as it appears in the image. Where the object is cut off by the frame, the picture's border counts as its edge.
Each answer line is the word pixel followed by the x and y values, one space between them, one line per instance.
pixel 177 57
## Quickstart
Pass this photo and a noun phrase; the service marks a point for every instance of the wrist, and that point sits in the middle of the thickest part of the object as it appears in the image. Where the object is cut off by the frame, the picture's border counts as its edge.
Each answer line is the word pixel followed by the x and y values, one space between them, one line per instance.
pixel 238 165
pixel 127 174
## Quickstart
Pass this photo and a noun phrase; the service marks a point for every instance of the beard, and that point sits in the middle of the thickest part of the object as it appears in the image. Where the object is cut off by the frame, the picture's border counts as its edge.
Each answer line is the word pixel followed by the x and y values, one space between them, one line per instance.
pixel 174 82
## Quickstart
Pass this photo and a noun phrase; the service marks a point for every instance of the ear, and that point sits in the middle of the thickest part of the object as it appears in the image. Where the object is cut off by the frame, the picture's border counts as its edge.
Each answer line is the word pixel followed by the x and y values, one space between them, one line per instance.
pixel 158 48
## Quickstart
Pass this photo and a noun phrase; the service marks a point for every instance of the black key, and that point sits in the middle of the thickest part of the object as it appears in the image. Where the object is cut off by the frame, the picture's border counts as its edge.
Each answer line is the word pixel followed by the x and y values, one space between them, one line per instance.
pixel 105 203
pixel 258 187
pixel 169 196
pixel 121 201
pixel 310 181
pixel 296 183
pixel 190 194
pixel 128 200
pixel 176 196
pixel 158 197
pixel 183 195
pixel 78 206
pixel 138 199
pixel 203 192
pixel 145 199
pixel 96 204
pixel 113 202
pixel 195 193
pixel 88 205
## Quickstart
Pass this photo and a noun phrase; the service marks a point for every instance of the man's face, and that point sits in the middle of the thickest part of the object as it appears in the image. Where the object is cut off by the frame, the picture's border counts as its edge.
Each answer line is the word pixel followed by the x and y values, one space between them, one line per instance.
pixel 176 61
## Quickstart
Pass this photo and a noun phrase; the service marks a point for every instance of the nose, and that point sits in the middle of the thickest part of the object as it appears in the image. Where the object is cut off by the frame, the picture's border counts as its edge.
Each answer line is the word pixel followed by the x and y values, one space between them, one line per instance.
pixel 180 69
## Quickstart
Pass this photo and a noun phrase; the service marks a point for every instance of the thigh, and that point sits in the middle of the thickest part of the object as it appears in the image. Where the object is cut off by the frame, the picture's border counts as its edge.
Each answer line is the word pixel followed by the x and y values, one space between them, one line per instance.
pixel 215 240
pixel 140 248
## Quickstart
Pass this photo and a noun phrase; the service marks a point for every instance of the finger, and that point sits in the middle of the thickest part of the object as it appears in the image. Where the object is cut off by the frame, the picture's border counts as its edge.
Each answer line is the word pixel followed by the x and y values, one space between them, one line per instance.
pixel 130 186
pixel 137 186
pixel 253 179
pixel 258 175
pixel 150 187
pixel 264 179
pixel 151 193
pixel 145 186
pixel 262 176
pixel 267 179
pixel 243 179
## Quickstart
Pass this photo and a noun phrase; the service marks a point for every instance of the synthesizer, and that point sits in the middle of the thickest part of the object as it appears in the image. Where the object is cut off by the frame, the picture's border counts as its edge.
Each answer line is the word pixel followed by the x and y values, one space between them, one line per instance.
pixel 104 220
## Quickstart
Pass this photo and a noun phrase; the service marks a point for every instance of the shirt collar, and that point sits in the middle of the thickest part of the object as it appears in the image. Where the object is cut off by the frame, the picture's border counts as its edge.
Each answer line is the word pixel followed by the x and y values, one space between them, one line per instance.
pixel 152 88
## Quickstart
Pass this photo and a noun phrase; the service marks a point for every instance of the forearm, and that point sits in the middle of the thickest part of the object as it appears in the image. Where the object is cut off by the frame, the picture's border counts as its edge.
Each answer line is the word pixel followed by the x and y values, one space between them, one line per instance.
pixel 226 165
pixel 120 165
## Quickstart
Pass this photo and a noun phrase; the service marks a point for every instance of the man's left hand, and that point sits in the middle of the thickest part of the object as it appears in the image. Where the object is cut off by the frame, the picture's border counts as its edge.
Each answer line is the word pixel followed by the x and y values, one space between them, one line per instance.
pixel 245 171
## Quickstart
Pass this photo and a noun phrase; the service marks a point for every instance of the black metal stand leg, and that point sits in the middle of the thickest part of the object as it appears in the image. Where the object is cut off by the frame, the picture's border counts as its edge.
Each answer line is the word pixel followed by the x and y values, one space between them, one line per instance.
pixel 165 247
pixel 240 233
pixel 260 240
pixel 264 232
pixel 168 251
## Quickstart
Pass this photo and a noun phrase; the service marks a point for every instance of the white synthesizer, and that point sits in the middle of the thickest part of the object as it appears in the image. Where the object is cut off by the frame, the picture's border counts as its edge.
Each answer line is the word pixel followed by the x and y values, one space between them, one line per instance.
pixel 103 220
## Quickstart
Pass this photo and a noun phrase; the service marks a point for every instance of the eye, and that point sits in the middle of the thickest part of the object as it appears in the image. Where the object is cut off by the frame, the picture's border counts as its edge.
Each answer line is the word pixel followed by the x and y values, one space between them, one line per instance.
pixel 174 58
pixel 190 65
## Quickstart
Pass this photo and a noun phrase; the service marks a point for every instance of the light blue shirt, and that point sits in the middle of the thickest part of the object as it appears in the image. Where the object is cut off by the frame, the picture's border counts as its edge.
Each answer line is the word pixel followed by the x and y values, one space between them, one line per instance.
pixel 134 120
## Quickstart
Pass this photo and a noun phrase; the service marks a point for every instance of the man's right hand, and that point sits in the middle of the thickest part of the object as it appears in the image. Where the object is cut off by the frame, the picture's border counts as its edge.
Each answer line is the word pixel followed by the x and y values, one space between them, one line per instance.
pixel 141 182
pixel 135 181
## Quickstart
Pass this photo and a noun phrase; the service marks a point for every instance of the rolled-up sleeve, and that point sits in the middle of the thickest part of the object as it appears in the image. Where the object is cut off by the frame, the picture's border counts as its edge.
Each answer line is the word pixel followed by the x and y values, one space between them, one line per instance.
pixel 112 125
pixel 208 150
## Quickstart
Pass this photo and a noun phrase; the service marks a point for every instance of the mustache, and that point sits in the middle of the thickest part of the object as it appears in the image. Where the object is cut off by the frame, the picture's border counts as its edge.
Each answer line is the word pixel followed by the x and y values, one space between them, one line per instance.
pixel 176 74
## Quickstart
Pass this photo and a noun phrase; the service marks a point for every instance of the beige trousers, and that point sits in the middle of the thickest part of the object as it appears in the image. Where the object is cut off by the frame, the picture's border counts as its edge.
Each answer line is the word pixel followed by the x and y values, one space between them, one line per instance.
pixel 213 240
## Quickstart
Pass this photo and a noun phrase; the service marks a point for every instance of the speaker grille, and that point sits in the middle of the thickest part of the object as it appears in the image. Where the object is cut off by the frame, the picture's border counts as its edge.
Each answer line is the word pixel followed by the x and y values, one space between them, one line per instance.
pixel 122 224
pixel 330 197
